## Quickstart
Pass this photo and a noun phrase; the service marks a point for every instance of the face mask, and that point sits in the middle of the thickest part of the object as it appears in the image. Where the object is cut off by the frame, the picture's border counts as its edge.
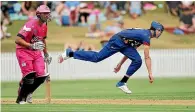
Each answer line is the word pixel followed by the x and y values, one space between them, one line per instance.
pixel 45 18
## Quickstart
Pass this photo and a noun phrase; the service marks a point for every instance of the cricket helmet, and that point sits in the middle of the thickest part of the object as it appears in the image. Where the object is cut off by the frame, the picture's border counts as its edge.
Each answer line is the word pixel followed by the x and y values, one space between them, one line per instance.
pixel 43 9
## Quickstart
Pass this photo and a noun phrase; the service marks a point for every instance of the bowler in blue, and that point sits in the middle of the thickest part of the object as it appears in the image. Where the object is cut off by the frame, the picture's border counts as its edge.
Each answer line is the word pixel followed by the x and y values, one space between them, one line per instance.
pixel 126 42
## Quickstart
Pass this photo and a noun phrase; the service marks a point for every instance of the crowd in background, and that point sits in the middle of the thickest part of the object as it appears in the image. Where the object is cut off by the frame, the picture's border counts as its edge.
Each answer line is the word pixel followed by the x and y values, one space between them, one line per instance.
pixel 185 11
pixel 92 13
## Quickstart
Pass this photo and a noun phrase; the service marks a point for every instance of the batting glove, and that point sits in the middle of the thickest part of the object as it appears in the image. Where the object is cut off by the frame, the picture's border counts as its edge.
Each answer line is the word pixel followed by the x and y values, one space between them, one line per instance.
pixel 37 45
pixel 47 58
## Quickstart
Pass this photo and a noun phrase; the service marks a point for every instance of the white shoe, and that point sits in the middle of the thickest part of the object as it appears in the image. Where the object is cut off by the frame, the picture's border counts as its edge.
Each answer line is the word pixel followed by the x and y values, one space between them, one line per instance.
pixel 64 55
pixel 29 98
pixel 22 102
pixel 123 87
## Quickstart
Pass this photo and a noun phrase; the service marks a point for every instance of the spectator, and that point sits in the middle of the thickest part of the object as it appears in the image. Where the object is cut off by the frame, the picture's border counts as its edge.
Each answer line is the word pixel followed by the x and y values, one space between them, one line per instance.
pixel 32 12
pixel 5 20
pixel 173 7
pixel 73 7
pixel 121 6
pixel 26 6
pixel 94 21
pixel 111 30
pixel 111 10
pixel 148 5
pixel 115 28
pixel 73 16
pixel 70 4
pixel 66 13
pixel 5 13
pixel 61 14
pixel 4 33
pixel 136 9
pixel 84 13
pixel 90 5
pixel 107 33
pixel 187 16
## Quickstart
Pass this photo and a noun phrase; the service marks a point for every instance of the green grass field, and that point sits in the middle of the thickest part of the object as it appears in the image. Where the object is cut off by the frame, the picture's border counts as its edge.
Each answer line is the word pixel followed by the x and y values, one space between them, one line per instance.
pixel 179 89
pixel 96 108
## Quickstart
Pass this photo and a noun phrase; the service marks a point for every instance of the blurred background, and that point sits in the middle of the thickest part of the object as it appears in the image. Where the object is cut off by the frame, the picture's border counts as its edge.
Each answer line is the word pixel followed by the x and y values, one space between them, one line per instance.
pixel 89 25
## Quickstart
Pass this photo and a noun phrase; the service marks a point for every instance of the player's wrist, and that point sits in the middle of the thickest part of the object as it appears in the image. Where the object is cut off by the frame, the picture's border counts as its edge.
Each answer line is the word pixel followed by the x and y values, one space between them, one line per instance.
pixel 31 46
pixel 46 54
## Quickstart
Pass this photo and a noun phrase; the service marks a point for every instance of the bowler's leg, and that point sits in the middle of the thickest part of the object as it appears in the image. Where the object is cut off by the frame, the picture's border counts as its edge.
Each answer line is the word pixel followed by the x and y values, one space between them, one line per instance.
pixel 136 63
pixel 93 56
pixel 111 48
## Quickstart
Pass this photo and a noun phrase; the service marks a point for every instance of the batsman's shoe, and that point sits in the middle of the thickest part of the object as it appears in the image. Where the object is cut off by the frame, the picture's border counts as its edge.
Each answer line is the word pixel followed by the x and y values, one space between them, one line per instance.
pixel 123 87
pixel 29 98
pixel 22 102
pixel 18 101
pixel 64 55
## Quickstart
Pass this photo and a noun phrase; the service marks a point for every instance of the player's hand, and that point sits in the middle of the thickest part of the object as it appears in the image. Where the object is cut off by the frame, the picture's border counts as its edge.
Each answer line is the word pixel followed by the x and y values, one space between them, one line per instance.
pixel 151 79
pixel 117 68
pixel 47 58
pixel 37 45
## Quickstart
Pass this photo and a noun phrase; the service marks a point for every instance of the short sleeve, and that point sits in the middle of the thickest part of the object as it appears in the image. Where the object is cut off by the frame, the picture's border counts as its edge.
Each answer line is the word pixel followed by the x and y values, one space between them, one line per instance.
pixel 25 31
pixel 146 41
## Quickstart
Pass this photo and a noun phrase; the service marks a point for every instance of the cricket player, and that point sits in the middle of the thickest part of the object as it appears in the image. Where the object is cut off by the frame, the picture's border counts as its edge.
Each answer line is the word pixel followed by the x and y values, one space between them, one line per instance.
pixel 126 42
pixel 30 44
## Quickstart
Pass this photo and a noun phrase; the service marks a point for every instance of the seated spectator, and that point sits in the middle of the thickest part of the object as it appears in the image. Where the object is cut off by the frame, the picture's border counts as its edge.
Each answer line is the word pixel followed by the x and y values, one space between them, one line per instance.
pixel 32 13
pixel 90 5
pixel 5 12
pixel 25 8
pixel 109 31
pixel 187 16
pixel 57 14
pixel 73 16
pixel 66 13
pixel 148 5
pixel 70 4
pixel 94 21
pixel 173 7
pixel 5 20
pixel 121 6
pixel 73 7
pixel 79 46
pixel 136 9
pixel 4 33
pixel 63 15
pixel 84 13
pixel 111 10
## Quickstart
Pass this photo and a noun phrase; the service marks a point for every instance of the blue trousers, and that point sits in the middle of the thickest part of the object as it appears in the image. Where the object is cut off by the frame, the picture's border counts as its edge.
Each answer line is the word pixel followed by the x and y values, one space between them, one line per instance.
pixel 114 45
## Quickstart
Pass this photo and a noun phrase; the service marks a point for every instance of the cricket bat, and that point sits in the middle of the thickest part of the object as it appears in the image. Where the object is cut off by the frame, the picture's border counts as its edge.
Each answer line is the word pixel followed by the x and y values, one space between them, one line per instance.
pixel 48 86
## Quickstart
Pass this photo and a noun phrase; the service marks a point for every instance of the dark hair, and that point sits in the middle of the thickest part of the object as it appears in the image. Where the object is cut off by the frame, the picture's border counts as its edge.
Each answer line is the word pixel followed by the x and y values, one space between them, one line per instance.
pixel 152 28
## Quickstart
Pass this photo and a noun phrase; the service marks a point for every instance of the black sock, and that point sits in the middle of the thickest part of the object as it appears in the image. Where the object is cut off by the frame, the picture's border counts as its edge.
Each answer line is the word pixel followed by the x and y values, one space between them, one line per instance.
pixel 25 86
pixel 71 54
pixel 124 79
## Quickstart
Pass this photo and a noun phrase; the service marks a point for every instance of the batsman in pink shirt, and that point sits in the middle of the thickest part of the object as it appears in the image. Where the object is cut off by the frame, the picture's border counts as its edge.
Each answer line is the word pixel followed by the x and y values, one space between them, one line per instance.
pixel 31 44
